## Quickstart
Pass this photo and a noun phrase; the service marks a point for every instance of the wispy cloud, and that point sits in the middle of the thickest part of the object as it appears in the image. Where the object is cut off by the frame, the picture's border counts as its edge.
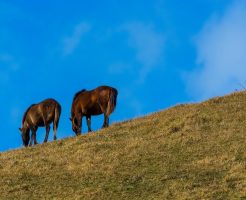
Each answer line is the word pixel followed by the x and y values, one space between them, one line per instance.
pixel 148 44
pixel 118 68
pixel 8 66
pixel 70 43
pixel 145 48
pixel 221 49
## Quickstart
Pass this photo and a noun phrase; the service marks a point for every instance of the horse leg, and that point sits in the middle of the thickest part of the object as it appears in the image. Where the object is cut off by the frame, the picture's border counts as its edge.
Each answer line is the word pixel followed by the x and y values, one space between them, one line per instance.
pixel 79 118
pixel 47 126
pixel 54 129
pixel 33 137
pixel 106 121
pixel 103 105
pixel 88 119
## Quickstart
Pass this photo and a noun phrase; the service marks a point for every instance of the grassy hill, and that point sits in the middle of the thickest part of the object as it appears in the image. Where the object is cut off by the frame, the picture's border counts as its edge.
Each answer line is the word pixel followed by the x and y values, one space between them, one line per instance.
pixel 194 151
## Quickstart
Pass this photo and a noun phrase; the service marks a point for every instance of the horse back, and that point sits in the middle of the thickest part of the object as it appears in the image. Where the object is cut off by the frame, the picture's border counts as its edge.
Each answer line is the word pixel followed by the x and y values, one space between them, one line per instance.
pixel 48 108
pixel 100 95
pixel 104 93
pixel 93 102
pixel 43 111
pixel 87 103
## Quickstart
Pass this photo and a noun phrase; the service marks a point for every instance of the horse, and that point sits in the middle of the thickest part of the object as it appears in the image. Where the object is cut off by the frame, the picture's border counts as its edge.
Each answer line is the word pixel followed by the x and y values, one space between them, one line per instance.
pixel 40 115
pixel 101 100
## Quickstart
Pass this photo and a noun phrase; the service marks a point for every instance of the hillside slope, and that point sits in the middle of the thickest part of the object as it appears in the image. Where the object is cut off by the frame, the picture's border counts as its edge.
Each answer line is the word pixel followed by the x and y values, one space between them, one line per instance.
pixel 194 151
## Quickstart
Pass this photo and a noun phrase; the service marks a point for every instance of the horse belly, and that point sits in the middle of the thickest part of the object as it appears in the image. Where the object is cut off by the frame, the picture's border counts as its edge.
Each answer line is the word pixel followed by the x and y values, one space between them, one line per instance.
pixel 94 110
pixel 40 124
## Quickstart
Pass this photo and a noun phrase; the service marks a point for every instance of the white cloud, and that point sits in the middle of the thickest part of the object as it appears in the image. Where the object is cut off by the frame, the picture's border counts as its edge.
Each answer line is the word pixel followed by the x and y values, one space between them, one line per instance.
pixel 71 42
pixel 221 49
pixel 148 44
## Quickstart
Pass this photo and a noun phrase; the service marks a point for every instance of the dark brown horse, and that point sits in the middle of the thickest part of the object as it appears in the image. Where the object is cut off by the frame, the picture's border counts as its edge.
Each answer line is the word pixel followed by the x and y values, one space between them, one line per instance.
pixel 94 102
pixel 38 115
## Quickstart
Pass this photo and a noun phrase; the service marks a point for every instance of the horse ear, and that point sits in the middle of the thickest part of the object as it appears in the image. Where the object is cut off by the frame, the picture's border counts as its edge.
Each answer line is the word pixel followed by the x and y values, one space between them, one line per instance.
pixel 70 119
pixel 20 129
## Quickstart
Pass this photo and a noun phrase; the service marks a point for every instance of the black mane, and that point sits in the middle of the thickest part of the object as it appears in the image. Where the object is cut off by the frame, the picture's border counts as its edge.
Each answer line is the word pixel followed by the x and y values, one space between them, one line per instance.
pixel 78 93
pixel 25 114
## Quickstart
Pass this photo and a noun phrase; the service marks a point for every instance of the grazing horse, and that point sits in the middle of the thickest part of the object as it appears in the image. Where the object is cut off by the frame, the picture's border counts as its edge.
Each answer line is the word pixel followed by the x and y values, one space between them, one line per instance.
pixel 93 102
pixel 38 115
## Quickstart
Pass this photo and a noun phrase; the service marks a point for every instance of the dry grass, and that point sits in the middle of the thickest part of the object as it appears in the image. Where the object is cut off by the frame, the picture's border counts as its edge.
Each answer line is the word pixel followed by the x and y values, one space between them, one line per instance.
pixel 186 152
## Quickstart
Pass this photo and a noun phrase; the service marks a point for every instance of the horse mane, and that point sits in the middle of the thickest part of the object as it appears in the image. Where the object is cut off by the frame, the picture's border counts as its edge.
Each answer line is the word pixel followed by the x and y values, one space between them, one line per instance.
pixel 25 114
pixel 78 93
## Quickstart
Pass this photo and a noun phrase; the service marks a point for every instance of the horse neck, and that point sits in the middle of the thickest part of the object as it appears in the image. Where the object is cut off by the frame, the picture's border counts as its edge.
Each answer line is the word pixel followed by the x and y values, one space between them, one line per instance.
pixel 75 104
pixel 73 109
pixel 25 125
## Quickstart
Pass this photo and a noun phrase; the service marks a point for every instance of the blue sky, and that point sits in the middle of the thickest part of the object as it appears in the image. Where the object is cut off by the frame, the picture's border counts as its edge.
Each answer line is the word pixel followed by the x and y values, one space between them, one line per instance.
pixel 156 53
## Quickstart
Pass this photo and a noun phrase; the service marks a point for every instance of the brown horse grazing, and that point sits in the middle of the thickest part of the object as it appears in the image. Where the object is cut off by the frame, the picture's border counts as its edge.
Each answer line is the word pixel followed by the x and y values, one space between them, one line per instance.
pixel 41 114
pixel 95 102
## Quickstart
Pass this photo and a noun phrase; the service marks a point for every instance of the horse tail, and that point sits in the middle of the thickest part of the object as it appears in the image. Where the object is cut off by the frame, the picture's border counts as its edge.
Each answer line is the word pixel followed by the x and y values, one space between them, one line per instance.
pixel 57 115
pixel 112 101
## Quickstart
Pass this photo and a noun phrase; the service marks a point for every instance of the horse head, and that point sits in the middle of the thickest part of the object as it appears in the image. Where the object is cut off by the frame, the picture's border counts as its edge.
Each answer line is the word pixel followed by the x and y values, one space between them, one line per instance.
pixel 25 134
pixel 75 126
